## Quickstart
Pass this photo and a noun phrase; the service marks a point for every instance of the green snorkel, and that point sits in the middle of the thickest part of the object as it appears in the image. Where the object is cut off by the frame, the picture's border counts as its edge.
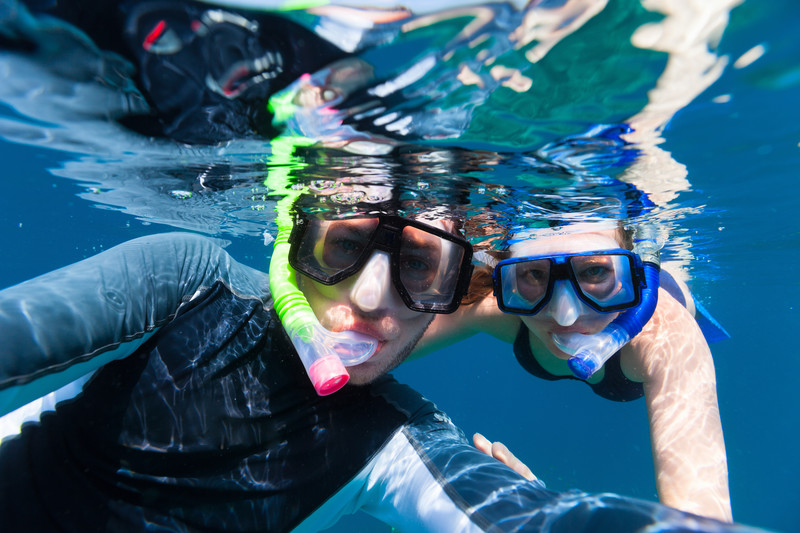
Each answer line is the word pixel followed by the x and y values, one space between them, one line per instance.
pixel 324 353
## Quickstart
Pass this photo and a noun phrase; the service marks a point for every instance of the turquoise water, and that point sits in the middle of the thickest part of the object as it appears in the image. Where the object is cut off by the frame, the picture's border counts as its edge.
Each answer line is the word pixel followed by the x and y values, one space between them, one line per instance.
pixel 736 221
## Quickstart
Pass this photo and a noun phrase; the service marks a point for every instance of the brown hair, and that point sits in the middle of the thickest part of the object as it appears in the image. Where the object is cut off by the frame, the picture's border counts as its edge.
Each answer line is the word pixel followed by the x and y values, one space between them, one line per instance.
pixel 480 286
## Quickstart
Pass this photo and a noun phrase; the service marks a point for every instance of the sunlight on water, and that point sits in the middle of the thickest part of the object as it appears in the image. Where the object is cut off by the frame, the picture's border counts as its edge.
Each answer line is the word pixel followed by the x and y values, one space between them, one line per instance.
pixel 486 86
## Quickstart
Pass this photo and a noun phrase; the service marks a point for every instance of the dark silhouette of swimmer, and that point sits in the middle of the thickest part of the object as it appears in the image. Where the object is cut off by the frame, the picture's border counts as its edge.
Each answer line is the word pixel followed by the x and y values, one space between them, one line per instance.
pixel 207 72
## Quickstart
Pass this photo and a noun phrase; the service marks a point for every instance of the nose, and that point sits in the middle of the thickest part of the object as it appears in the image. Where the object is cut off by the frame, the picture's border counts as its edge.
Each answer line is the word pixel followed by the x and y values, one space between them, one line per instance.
pixel 372 289
pixel 564 306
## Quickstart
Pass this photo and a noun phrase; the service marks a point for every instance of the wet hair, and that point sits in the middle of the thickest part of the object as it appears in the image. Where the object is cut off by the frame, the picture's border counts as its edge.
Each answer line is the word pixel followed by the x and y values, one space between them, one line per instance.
pixel 480 286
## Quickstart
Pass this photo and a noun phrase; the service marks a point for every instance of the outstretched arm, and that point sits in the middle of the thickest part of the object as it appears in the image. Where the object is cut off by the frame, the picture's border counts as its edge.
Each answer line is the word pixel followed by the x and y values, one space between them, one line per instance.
pixel 483 316
pixel 428 477
pixel 673 360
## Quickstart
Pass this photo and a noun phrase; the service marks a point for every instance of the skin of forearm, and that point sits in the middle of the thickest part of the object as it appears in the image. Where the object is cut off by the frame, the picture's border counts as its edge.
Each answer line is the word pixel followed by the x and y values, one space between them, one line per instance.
pixel 685 427
pixel 689 458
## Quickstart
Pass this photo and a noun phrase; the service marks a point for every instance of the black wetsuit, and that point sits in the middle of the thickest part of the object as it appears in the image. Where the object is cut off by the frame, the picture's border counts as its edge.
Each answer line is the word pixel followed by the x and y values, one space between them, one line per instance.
pixel 183 407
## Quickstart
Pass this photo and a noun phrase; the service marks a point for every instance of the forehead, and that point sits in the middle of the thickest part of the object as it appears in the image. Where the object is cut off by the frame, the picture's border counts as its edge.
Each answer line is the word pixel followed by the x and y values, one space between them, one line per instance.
pixel 566 243
pixel 369 224
pixel 442 224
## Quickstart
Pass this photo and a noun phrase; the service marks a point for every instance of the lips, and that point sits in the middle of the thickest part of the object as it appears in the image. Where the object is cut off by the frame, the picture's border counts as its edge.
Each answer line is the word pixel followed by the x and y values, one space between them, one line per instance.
pixel 558 330
pixel 569 343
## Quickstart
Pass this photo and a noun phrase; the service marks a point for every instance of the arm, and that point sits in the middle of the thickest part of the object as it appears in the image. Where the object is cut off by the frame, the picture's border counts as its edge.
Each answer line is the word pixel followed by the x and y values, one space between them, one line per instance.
pixel 427 477
pixel 483 316
pixel 65 324
pixel 672 359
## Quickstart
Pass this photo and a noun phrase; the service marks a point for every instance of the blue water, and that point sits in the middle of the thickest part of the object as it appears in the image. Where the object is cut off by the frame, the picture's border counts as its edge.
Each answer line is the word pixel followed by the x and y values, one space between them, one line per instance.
pixel 741 152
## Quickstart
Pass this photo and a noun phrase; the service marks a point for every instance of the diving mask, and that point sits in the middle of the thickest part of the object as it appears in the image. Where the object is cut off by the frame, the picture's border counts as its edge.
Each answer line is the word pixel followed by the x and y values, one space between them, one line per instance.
pixel 429 267
pixel 607 280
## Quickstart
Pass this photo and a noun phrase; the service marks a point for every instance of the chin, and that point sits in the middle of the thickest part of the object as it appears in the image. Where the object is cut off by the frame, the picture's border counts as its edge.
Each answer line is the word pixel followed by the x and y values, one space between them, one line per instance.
pixel 363 376
pixel 553 349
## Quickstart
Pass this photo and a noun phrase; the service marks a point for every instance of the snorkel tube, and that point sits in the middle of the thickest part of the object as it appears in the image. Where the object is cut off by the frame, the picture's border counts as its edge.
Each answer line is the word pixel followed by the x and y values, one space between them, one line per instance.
pixel 592 351
pixel 323 353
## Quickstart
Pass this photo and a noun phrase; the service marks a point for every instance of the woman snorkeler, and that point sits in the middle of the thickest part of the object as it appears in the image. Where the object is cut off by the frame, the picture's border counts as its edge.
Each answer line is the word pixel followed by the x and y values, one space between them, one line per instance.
pixel 564 288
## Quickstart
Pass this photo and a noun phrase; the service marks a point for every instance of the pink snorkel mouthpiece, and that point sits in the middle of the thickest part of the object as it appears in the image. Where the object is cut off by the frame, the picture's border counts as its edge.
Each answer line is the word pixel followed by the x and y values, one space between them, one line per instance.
pixel 324 354
pixel 328 375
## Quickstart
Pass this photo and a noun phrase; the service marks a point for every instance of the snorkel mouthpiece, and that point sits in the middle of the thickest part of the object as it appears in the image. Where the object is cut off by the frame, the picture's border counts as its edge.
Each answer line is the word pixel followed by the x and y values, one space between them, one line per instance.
pixel 325 369
pixel 590 352
pixel 324 353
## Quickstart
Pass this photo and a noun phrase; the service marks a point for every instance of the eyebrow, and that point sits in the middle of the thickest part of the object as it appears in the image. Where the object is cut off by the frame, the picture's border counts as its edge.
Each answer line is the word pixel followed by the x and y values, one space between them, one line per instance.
pixel 427 245
pixel 424 240
pixel 363 231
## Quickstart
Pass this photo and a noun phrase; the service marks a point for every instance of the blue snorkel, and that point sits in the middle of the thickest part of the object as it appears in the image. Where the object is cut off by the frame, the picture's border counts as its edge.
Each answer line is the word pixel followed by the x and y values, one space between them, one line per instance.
pixel 592 351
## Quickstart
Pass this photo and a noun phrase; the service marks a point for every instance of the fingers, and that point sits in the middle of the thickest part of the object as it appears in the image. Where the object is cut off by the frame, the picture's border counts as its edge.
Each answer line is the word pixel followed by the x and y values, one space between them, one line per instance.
pixel 504 455
pixel 482 443
pixel 499 451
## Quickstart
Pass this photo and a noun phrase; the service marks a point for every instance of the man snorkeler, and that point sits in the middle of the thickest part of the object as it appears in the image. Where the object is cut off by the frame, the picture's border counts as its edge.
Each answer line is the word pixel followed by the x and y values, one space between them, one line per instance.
pixel 180 405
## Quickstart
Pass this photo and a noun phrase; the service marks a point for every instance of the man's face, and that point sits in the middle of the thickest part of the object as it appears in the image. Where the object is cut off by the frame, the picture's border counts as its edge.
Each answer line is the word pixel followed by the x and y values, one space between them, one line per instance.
pixel 368 302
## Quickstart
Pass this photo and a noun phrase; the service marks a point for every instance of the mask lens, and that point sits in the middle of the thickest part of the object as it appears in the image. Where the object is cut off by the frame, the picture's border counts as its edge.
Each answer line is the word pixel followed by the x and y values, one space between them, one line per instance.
pixel 330 249
pixel 607 280
pixel 525 284
pixel 429 266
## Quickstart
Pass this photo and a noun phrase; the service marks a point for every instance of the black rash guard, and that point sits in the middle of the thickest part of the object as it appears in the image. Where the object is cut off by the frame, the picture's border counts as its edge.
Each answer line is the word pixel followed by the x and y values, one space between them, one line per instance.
pixel 192 413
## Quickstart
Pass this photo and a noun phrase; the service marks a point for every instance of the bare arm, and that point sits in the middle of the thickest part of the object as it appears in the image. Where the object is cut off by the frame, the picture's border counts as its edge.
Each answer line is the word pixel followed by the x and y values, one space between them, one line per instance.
pixel 673 360
pixel 482 316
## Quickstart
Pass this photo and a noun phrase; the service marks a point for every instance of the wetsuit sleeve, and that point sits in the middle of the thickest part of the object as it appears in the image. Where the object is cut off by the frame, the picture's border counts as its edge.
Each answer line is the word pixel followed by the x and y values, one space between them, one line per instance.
pixel 428 478
pixel 67 323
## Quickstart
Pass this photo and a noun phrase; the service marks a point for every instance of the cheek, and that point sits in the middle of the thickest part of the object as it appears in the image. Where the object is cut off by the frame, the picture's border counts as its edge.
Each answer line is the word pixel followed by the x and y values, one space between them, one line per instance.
pixel 320 296
pixel 593 321
pixel 410 330
pixel 418 322
pixel 601 320
pixel 597 322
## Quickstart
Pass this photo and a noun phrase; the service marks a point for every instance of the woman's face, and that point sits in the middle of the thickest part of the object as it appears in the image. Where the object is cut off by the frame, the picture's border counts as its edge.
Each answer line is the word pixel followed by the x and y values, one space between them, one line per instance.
pixel 566 312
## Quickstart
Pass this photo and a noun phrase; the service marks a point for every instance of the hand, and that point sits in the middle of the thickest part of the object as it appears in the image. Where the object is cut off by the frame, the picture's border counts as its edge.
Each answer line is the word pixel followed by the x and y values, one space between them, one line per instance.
pixel 499 451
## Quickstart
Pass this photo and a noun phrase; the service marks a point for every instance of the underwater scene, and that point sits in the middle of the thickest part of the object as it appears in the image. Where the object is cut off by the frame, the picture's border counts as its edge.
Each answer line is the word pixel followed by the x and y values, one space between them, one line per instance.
pixel 674 122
